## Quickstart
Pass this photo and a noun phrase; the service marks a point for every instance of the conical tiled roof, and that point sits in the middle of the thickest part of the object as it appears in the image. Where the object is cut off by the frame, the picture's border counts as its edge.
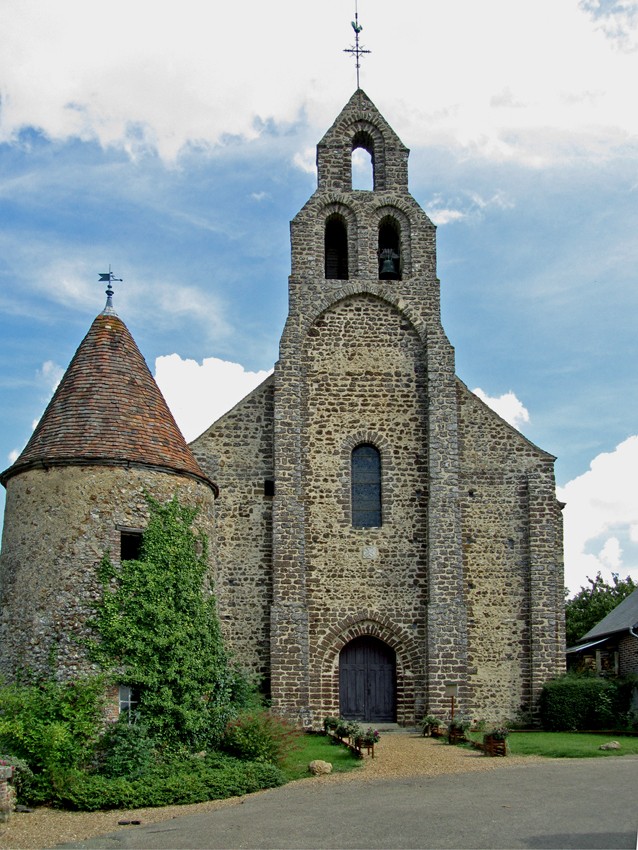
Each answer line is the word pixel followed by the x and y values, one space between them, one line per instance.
pixel 108 410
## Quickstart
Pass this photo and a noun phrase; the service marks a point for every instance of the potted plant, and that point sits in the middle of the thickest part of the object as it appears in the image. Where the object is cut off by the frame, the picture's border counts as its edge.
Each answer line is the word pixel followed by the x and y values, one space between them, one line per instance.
pixel 456 730
pixel 495 741
pixel 367 739
pixel 430 725
pixel 330 723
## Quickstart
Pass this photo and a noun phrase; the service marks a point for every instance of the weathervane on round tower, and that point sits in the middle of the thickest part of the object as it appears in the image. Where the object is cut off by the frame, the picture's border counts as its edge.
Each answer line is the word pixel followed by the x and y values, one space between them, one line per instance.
pixel 358 50
pixel 110 277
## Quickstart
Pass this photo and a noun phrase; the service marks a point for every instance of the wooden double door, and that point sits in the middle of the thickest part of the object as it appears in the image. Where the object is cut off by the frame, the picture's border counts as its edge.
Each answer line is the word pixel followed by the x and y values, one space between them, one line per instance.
pixel 367 681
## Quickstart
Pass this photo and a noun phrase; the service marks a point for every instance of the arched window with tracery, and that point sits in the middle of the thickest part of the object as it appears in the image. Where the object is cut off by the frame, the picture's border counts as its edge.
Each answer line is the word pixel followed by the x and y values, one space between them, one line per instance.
pixel 366 486
pixel 389 249
pixel 336 248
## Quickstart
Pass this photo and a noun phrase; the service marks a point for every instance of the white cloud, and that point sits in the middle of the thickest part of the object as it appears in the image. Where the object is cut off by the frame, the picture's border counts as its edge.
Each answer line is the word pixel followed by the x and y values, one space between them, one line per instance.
pixel 50 374
pixel 199 393
pixel 611 554
pixel 306 160
pixel 617 19
pixel 470 205
pixel 441 215
pixel 147 76
pixel 601 509
pixel 13 455
pixel 508 407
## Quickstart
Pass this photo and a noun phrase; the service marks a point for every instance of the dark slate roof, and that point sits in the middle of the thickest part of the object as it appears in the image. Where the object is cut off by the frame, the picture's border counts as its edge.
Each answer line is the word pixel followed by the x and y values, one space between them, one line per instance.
pixel 108 410
pixel 624 616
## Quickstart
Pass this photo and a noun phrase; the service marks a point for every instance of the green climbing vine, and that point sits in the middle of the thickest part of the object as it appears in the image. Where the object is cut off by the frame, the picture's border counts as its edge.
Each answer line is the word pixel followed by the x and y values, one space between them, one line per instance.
pixel 158 631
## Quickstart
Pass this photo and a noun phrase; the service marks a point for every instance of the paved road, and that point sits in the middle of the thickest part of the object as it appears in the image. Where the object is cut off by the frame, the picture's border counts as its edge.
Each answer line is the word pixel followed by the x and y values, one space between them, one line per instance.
pixel 569 803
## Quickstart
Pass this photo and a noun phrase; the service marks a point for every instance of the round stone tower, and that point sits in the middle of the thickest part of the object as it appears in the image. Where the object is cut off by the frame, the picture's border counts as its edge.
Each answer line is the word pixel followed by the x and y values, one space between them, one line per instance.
pixel 78 491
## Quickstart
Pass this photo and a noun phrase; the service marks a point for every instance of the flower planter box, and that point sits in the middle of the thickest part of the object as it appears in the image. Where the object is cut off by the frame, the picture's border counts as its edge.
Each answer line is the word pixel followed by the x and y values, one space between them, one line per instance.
pixel 360 747
pixel 456 736
pixel 494 746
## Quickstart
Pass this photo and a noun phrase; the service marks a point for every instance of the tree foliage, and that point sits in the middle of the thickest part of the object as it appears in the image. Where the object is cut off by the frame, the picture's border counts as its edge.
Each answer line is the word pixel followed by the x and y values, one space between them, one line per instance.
pixel 592 603
pixel 158 630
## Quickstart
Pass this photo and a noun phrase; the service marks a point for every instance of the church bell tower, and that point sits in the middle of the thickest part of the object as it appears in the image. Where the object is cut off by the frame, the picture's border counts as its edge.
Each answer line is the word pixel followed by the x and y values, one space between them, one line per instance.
pixel 368 615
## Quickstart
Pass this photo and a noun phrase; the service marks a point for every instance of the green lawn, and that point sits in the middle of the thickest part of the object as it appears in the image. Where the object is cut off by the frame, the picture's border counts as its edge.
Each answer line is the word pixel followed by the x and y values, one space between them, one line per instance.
pixel 567 744
pixel 313 747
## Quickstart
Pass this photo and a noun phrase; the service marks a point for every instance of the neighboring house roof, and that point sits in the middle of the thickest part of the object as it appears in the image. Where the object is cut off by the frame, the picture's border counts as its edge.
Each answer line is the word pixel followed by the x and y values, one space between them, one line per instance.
pixel 108 410
pixel 623 617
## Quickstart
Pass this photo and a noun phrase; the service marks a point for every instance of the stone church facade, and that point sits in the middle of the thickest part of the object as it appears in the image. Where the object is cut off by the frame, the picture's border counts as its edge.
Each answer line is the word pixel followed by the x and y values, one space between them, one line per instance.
pixel 381 539
pixel 456 582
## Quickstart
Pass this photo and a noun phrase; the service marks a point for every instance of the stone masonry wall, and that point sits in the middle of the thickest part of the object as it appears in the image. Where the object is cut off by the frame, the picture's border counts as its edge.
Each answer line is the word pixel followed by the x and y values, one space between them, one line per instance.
pixel 297 666
pixel 238 451
pixel 514 595
pixel 58 524
pixel 364 353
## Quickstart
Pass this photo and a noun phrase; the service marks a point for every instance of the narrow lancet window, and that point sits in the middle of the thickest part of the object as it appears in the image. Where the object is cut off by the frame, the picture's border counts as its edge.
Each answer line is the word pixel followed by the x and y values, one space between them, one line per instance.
pixel 389 250
pixel 336 248
pixel 366 487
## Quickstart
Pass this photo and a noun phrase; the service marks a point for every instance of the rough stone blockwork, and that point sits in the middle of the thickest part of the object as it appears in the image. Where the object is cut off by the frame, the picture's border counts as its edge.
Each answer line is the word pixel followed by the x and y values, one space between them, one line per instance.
pixel 63 520
pixel 462 579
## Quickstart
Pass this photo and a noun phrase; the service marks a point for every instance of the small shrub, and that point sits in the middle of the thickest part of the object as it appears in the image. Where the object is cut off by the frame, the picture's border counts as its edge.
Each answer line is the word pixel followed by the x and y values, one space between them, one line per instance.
pixel 127 750
pixel 161 788
pixel 259 736
pixel 23 778
pixel 576 702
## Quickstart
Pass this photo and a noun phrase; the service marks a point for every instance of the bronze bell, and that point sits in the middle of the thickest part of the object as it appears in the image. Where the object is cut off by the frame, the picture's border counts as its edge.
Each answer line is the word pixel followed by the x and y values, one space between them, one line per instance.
pixel 388 269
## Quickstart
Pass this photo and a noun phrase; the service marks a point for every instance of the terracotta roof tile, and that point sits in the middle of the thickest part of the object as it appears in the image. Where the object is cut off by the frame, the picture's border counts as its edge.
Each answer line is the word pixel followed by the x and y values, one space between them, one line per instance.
pixel 108 409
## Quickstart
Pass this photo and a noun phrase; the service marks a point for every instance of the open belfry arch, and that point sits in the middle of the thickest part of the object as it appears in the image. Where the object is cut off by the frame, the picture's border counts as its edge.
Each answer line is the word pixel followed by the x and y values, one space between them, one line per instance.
pixel 366 494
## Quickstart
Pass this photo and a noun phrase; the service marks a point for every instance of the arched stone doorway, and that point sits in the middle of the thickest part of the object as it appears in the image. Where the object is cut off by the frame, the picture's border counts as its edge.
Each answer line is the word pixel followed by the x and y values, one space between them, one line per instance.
pixel 367 681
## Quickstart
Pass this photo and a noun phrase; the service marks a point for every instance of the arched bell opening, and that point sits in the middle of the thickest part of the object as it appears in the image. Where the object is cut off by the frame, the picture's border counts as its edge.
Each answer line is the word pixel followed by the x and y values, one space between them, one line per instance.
pixel 362 162
pixel 389 252
pixel 367 681
pixel 336 248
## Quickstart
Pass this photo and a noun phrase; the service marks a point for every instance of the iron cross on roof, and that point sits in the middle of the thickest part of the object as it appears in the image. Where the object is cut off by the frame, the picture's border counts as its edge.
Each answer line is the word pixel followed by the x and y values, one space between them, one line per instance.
pixel 357 50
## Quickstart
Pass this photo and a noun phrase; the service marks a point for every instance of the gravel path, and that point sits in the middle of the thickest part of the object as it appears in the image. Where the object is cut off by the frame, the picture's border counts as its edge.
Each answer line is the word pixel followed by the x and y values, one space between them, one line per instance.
pixel 397 755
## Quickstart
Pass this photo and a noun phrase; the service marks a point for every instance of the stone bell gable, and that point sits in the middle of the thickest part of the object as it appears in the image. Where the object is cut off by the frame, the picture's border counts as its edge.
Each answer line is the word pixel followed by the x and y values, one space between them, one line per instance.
pixel 411 548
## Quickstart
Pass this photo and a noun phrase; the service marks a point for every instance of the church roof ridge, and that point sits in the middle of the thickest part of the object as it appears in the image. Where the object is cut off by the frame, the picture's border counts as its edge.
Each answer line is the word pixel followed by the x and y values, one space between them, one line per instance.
pixel 108 410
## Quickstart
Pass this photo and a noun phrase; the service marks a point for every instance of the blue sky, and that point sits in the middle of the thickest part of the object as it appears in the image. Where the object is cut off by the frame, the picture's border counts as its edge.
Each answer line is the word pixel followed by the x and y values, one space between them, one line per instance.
pixel 175 143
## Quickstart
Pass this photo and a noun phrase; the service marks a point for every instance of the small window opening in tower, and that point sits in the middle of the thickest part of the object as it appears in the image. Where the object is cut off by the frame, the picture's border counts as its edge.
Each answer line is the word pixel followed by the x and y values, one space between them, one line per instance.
pixel 366 486
pixel 128 700
pixel 362 162
pixel 336 248
pixel 389 250
pixel 130 545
